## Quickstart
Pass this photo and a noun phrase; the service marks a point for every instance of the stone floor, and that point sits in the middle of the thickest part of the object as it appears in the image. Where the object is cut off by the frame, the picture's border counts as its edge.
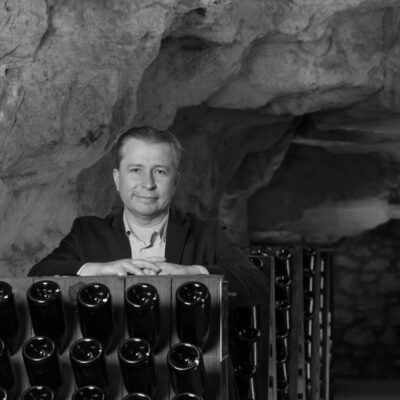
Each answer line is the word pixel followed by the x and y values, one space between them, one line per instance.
pixel 367 390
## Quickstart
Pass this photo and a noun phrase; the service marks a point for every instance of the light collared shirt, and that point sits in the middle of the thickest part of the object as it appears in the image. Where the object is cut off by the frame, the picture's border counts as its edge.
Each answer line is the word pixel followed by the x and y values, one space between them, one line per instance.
pixel 146 242
pixel 150 242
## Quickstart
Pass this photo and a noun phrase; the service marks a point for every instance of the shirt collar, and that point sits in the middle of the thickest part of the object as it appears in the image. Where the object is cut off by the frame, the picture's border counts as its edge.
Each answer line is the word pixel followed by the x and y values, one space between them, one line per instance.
pixel 159 229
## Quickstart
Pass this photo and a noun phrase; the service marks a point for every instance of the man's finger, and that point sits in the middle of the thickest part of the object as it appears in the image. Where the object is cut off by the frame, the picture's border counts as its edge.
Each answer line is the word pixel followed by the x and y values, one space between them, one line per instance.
pixel 142 264
pixel 133 269
pixel 164 272
pixel 148 271
pixel 156 259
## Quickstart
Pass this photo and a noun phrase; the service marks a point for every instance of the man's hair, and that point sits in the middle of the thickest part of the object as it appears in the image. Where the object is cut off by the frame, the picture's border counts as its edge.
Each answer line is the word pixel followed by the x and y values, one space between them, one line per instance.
pixel 150 135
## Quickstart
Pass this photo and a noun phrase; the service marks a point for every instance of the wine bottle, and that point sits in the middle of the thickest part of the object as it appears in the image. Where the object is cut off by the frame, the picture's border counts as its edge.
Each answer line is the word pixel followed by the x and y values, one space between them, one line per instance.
pixel 282 348
pixel 282 317
pixel 88 363
pixel 309 260
pixel 88 393
pixel 308 389
pixel 308 282
pixel 9 323
pixel 308 304
pixel 308 370
pixel 136 396
pixel 41 362
pixel 142 313
pixel 261 257
pixel 282 376
pixel 241 318
pixel 193 304
pixel 186 368
pixel 283 266
pixel 283 394
pixel 95 313
pixel 47 313
pixel 187 396
pixel 257 261
pixel 247 338
pixel 308 327
pixel 308 349
pixel 37 393
pixel 283 292
pixel 308 380
pixel 137 366
pixel 244 374
pixel 7 376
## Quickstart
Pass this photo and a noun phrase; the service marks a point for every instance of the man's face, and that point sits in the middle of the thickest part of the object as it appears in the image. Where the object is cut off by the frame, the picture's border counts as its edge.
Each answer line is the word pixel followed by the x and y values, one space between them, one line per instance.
pixel 146 179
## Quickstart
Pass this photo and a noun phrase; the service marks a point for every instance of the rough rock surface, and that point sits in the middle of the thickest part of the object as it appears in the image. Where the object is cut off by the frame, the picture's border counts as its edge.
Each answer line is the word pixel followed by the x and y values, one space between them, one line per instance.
pixel 232 78
pixel 327 190
pixel 367 305
pixel 289 111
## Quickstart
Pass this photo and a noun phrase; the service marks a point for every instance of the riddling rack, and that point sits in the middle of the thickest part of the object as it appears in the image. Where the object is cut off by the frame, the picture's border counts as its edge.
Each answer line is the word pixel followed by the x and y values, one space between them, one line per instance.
pixel 214 351
pixel 299 320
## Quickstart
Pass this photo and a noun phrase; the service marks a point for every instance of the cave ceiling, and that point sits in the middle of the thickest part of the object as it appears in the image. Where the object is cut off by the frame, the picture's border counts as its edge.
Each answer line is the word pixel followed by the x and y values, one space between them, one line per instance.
pixel 230 77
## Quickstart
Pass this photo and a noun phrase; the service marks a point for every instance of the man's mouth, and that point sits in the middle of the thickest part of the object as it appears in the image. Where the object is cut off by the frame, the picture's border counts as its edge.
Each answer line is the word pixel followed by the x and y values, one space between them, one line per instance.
pixel 148 198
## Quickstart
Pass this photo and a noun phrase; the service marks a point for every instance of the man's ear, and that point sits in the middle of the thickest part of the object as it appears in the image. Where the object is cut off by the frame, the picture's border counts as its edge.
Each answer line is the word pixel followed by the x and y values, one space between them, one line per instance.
pixel 116 178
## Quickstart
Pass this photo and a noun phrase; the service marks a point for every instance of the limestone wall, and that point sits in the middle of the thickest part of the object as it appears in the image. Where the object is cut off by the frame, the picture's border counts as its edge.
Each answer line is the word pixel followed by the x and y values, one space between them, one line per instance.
pixel 367 305
pixel 288 110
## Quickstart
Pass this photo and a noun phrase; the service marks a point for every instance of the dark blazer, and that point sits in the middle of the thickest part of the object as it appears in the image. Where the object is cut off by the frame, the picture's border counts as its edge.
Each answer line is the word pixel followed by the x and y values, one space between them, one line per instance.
pixel 190 240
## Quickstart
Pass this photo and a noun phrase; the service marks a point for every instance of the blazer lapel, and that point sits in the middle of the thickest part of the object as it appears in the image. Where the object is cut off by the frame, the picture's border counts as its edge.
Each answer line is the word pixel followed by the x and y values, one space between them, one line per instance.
pixel 120 247
pixel 177 232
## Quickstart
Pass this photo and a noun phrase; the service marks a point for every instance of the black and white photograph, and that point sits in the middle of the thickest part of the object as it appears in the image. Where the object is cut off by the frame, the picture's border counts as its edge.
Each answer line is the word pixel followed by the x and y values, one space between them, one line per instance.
pixel 199 199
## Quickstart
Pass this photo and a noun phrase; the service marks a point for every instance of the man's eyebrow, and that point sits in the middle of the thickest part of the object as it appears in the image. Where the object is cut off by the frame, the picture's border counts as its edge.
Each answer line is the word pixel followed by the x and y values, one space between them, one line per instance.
pixel 134 165
pixel 162 166
pixel 153 166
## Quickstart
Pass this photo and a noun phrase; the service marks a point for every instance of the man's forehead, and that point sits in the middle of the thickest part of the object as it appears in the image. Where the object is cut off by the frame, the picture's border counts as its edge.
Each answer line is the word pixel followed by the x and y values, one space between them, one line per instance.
pixel 135 148
pixel 134 143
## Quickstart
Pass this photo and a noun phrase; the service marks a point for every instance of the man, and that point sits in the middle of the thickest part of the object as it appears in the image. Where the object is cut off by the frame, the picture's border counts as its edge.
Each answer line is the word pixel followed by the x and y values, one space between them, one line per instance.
pixel 149 236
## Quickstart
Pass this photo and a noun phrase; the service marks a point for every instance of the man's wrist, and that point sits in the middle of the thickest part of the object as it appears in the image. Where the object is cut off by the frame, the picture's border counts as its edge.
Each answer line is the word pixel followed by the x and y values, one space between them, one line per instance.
pixel 81 270
pixel 87 269
pixel 201 270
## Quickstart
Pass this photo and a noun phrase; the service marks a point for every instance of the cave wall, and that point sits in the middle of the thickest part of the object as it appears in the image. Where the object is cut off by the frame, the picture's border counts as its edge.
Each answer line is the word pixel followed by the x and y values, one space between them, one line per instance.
pixel 348 203
pixel 73 75
pixel 367 304
pixel 288 111
pixel 317 196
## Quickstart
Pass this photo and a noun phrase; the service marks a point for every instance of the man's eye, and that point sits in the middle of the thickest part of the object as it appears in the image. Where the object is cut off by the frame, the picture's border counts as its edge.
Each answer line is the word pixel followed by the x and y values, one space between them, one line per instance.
pixel 161 172
pixel 134 170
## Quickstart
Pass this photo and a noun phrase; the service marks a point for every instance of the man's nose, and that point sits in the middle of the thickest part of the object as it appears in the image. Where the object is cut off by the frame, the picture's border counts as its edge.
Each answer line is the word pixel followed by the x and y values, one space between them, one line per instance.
pixel 148 181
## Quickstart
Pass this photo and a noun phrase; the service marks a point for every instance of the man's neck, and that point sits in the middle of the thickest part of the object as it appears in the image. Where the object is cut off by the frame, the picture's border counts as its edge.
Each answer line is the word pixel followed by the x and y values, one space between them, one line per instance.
pixel 144 221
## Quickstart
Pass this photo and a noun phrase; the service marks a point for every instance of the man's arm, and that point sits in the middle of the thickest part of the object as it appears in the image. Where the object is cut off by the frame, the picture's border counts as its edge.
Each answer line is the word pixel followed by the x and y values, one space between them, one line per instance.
pixel 123 267
pixel 246 283
pixel 210 245
pixel 67 259
pixel 64 260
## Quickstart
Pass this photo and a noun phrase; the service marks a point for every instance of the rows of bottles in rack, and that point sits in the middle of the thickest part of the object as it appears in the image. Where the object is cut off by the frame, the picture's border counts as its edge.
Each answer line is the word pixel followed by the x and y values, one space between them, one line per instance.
pixel 88 362
pixel 87 354
pixel 245 349
pixel 284 264
pixel 283 307
pixel 317 323
pixel 95 310
pixel 309 318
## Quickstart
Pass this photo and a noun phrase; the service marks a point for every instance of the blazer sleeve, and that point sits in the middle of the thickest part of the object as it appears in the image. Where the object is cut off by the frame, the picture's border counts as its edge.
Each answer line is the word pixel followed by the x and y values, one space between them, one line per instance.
pixel 247 284
pixel 65 259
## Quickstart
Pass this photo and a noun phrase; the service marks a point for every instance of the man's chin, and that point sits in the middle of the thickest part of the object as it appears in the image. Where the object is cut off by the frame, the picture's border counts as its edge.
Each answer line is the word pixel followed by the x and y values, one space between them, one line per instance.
pixel 147 212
